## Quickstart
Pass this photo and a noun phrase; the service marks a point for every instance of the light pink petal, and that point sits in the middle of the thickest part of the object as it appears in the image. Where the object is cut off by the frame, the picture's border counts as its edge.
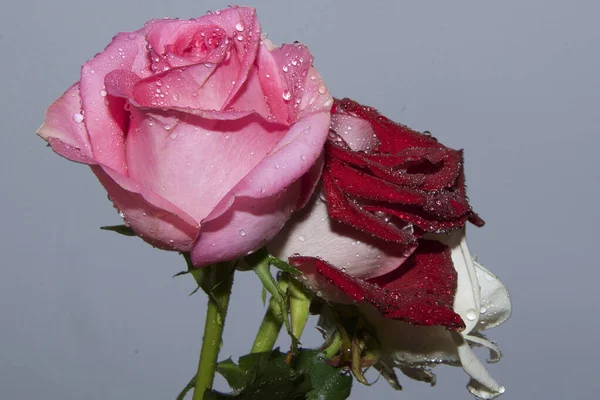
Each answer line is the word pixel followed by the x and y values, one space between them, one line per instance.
pixel 310 232
pixel 291 158
pixel 245 227
pixel 357 133
pixel 153 218
pixel 182 87
pixel 304 91
pixel 194 162
pixel 251 97
pixel 272 86
pixel 64 129
pixel 309 181
pixel 173 42
pixel 105 118
pixel 246 43
pixel 121 83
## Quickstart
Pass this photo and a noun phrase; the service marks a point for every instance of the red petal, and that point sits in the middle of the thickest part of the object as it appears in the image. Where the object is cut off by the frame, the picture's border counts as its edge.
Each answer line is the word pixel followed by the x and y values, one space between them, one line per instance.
pixel 420 291
pixel 409 176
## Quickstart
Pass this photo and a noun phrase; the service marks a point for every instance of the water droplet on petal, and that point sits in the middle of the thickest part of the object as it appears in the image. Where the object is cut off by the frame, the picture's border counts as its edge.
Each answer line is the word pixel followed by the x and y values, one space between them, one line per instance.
pixel 322 89
pixel 103 93
pixel 78 117
pixel 471 315
pixel 301 238
pixel 242 232
pixel 240 26
pixel 285 68
pixel 302 157
pixel 167 127
pixel 287 95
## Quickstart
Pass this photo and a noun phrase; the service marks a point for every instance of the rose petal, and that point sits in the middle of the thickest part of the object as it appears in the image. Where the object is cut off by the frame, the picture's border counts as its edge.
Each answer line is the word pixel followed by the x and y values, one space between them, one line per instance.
pixel 163 156
pixel 153 218
pixel 310 232
pixel 64 129
pixel 467 302
pixel 481 384
pixel 289 159
pixel 105 119
pixel 420 291
pixel 247 225
pixel 495 299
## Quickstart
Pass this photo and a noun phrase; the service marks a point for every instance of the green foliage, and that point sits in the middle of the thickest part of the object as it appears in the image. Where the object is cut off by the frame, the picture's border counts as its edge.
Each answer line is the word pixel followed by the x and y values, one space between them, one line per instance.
pixel 274 376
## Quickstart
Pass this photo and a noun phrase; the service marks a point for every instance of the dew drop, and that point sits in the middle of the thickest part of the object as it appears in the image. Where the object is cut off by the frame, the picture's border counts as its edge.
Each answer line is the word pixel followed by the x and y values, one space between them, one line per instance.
pixel 78 117
pixel 302 157
pixel 322 89
pixel 471 315
pixel 483 310
pixel 175 97
pixel 103 93
pixel 173 135
pixel 287 95
pixel 285 68
pixel 167 128
pixel 240 38
pixel 242 232
pixel 301 238
pixel 240 26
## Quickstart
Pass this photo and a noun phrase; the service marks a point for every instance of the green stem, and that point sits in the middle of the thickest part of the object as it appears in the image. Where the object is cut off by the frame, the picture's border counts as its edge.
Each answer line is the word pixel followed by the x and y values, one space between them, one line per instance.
pixel 269 329
pixel 221 276
pixel 299 307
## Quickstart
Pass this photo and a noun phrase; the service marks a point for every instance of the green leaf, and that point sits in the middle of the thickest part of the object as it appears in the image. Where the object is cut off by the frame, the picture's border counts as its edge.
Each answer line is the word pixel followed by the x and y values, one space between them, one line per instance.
pixel 234 375
pixel 122 229
pixel 267 376
pixel 283 266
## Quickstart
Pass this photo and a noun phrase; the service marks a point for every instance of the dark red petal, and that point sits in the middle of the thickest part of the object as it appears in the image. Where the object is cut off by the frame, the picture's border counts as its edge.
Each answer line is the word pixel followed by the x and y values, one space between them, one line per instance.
pixel 359 184
pixel 409 176
pixel 420 291
pixel 347 212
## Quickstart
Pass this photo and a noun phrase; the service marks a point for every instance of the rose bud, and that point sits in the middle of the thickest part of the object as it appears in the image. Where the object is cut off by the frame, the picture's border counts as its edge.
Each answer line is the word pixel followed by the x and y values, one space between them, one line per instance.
pixel 386 231
pixel 205 136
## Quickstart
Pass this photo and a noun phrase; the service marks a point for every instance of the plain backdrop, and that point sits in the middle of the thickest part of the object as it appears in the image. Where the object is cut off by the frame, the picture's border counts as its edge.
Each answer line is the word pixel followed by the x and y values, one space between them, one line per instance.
pixel 88 314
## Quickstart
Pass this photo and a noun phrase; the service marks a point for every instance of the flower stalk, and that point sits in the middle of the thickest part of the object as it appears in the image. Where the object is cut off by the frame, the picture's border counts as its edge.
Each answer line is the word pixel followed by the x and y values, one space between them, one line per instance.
pixel 269 329
pixel 221 276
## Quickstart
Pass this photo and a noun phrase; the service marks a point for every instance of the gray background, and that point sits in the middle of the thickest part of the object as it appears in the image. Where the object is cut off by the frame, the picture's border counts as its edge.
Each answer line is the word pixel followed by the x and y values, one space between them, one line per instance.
pixel 87 314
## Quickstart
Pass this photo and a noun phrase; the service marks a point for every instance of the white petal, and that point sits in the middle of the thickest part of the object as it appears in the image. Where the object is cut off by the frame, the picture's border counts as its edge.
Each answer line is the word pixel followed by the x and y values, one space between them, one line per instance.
pixel 310 232
pixel 480 340
pixel 481 384
pixel 467 302
pixel 495 299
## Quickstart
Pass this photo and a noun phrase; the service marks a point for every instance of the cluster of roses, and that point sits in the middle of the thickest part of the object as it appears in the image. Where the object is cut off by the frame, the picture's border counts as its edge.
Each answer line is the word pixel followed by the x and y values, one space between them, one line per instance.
pixel 212 141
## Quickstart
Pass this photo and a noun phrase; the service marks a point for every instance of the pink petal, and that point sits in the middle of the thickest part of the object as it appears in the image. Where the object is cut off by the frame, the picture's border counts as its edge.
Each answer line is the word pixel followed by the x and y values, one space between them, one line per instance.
pixel 247 225
pixel 105 119
pixel 303 89
pixel 64 129
pixel 153 218
pixel 195 162
pixel 289 160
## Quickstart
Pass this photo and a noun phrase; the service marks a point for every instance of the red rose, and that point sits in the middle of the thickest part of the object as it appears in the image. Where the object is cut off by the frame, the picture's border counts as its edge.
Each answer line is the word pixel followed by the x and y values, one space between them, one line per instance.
pixel 386 231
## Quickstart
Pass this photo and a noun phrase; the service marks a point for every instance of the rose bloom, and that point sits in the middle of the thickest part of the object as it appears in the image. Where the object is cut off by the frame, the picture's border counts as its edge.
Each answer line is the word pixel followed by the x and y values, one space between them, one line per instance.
pixel 387 231
pixel 205 135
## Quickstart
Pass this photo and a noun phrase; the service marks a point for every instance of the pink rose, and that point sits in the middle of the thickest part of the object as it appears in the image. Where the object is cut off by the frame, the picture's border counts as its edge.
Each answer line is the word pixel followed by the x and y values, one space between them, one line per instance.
pixel 205 136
